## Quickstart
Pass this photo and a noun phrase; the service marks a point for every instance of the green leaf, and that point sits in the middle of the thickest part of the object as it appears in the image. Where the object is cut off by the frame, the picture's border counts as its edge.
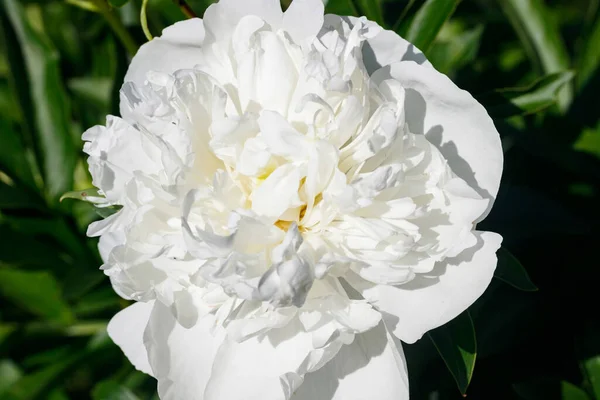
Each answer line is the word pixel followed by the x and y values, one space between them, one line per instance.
pixel 33 385
pixel 457 345
pixel 90 195
pixel 589 59
pixel 93 90
pixel 540 36
pixel 541 94
pixel 12 160
pixel 48 109
pixel 510 270
pixel 457 51
pixel 371 9
pixel 341 7
pixel 118 3
pixel 9 374
pixel 36 292
pixel 111 390
pixel 592 368
pixel 572 392
pixel 589 141
pixel 428 21
pixel 12 197
pixel 549 388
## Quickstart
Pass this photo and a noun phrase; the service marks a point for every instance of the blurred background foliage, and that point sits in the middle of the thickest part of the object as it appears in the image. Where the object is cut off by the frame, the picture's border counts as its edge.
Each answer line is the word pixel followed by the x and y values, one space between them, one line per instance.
pixel 535 64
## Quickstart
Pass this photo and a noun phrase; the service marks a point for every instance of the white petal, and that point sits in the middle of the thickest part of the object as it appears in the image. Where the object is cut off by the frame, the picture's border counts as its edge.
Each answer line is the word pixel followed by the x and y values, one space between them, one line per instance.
pixel 126 329
pixel 267 367
pixel 372 367
pixel 387 48
pixel 278 192
pixel 453 121
pixel 425 303
pixel 110 148
pixel 303 19
pixel 222 17
pixel 180 358
pixel 177 48
pixel 281 138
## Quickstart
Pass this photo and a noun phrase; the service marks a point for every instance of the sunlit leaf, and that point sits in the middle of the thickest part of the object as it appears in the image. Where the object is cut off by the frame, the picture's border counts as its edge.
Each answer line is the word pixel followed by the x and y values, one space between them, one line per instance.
pixel 457 346
pixel 540 36
pixel 9 374
pixel 510 270
pixel 541 94
pixel 90 195
pixel 456 52
pixel 371 9
pixel 429 21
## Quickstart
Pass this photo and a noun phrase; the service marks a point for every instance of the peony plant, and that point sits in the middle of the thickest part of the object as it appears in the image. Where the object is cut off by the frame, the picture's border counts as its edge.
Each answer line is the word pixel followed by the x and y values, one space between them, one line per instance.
pixel 297 194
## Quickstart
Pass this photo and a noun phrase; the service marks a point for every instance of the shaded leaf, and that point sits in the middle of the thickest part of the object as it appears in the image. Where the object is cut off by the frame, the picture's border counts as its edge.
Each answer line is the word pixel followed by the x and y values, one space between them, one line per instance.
pixel 589 59
pixel 12 197
pixel 12 160
pixel 457 345
pixel 95 90
pixel 49 103
pixel 510 270
pixel 572 392
pixel 540 36
pixel 36 292
pixel 428 21
pixel 118 3
pixel 592 368
pixel 541 94
pixel 111 390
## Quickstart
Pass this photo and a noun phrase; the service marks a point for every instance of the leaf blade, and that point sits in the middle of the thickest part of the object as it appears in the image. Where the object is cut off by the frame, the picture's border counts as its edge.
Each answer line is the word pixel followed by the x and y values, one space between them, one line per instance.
pixel 428 21
pixel 457 345
pixel 49 103
pixel 540 36
pixel 37 292
pixel 512 272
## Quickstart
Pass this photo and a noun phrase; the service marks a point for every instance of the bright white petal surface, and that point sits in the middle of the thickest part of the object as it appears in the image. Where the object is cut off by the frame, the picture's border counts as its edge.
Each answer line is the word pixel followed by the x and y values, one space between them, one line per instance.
pixel 412 309
pixel 181 359
pixel 177 48
pixel 372 367
pixel 454 121
pixel 126 329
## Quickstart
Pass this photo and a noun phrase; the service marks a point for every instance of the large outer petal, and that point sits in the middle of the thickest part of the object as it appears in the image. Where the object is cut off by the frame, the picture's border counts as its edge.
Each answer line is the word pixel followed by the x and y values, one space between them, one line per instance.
pixel 453 121
pixel 425 303
pixel 177 48
pixel 266 366
pixel 181 359
pixel 386 47
pixel 372 367
pixel 126 329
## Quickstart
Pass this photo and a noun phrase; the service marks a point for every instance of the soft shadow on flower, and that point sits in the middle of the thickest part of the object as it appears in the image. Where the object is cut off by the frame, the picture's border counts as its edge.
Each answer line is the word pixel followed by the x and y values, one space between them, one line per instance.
pixel 298 193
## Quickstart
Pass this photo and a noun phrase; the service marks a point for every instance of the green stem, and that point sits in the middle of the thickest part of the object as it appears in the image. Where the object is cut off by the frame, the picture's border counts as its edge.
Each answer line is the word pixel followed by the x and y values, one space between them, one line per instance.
pixel 117 26
pixel 144 20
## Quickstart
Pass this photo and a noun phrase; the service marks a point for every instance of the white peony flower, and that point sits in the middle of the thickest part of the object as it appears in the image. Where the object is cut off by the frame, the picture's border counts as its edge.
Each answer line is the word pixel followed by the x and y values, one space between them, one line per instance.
pixel 298 193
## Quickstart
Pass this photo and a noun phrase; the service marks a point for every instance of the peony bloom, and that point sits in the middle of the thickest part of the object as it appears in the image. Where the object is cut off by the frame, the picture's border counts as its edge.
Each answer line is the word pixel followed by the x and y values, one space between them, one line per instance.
pixel 298 194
